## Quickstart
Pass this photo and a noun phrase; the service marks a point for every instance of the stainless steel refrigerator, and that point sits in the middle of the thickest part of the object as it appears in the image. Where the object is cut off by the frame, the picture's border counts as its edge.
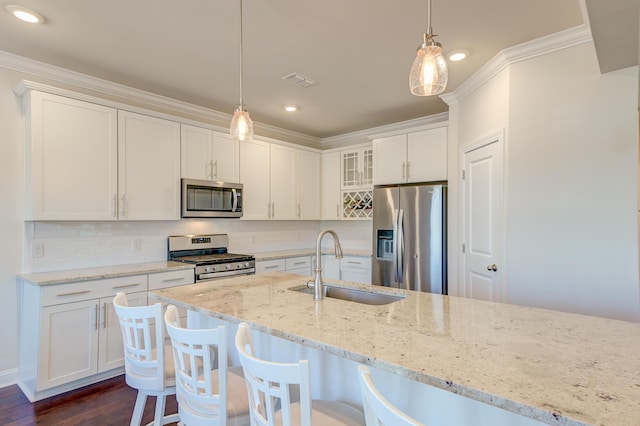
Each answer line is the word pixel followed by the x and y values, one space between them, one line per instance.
pixel 409 237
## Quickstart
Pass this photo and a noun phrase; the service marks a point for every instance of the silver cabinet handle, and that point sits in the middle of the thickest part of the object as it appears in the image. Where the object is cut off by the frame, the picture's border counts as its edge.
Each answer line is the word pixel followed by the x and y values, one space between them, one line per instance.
pixel 354 263
pixel 122 205
pixel 215 164
pixel 117 287
pixel 95 310
pixel 273 210
pixel 298 210
pixel 114 208
pixel 299 263
pixel 104 315
pixel 75 293
pixel 337 211
pixel 404 170
pixel 493 267
pixel 170 280
pixel 408 169
pixel 271 266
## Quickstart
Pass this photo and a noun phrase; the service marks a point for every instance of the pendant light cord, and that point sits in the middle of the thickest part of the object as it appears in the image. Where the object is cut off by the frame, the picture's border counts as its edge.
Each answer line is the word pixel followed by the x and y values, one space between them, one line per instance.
pixel 429 29
pixel 241 58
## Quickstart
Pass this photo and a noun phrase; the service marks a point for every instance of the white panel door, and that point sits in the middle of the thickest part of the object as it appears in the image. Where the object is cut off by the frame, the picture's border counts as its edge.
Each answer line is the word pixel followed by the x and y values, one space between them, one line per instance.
pixel 254 176
pixel 427 155
pixel 71 159
pixel 110 348
pixel 148 167
pixel 389 160
pixel 283 187
pixel 308 185
pixel 482 213
pixel 226 158
pixel 196 145
pixel 331 196
pixel 68 343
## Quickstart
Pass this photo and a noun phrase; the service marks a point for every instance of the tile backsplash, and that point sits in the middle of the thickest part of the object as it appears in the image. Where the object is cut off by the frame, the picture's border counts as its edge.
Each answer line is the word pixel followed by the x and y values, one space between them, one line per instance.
pixel 52 246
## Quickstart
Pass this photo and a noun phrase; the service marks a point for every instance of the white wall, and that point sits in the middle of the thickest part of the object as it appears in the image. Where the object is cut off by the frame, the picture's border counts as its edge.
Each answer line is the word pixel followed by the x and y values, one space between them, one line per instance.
pixel 571 161
pixel 572 200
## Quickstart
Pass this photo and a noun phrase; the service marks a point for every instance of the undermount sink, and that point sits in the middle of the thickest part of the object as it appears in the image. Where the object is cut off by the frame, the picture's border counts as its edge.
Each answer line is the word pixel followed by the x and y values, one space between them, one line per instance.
pixel 352 295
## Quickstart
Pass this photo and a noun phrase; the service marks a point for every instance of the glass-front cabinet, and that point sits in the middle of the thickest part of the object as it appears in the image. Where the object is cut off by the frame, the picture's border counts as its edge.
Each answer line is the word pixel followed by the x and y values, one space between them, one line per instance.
pixel 356 182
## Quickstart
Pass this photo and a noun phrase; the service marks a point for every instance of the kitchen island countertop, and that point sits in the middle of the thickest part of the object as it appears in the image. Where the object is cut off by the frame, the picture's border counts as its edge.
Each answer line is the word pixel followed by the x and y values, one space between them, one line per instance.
pixel 556 367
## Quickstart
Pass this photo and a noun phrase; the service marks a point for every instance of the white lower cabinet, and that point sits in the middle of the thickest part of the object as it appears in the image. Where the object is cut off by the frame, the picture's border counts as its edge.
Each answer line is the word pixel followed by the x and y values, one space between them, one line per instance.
pixel 70 333
pixel 350 268
pixel 303 265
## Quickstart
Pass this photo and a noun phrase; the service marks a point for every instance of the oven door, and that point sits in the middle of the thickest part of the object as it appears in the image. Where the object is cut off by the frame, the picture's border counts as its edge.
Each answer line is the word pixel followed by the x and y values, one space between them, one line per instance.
pixel 202 198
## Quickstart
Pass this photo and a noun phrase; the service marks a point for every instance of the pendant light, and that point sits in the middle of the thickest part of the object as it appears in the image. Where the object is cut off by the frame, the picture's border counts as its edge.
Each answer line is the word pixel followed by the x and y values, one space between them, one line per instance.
pixel 241 125
pixel 429 73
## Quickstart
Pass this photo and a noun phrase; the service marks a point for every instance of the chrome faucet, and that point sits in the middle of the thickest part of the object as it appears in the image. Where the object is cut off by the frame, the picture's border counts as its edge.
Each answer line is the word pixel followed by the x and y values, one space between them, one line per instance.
pixel 318 285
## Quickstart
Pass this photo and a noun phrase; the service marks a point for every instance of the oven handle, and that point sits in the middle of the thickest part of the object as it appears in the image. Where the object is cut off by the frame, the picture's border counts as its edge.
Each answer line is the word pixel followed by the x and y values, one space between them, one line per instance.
pixel 235 199
pixel 224 274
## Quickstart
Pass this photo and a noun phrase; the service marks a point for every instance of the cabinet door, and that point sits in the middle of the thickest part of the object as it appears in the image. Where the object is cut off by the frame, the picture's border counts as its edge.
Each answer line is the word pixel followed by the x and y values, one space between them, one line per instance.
pixel 275 265
pixel 283 178
pixel 356 168
pixel 330 267
pixel 196 152
pixel 390 160
pixel 71 159
pixel 226 158
pixel 254 176
pixel 68 343
pixel 427 155
pixel 308 185
pixel 110 349
pixel 331 201
pixel 148 167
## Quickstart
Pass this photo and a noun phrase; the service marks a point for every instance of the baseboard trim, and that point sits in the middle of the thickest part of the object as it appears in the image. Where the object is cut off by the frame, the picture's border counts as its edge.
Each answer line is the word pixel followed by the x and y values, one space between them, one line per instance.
pixel 8 377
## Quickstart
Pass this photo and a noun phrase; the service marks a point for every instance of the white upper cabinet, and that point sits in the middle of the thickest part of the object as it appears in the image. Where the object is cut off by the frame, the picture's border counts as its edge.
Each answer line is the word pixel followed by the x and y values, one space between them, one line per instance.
pixel 414 157
pixel 356 168
pixel 90 162
pixel 254 176
pixel 279 182
pixel 283 181
pixel 208 155
pixel 331 196
pixel 308 185
pixel 71 159
pixel 148 167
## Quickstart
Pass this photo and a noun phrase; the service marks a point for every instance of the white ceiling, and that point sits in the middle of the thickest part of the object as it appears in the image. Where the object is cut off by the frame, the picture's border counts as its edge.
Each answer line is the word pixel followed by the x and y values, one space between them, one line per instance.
pixel 359 51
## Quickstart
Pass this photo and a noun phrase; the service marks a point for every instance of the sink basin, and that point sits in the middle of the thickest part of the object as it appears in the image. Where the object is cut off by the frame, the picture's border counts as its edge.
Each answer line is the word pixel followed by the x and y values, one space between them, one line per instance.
pixel 352 295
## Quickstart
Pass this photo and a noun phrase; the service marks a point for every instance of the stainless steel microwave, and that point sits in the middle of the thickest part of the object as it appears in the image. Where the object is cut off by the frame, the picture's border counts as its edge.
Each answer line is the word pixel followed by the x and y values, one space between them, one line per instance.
pixel 203 198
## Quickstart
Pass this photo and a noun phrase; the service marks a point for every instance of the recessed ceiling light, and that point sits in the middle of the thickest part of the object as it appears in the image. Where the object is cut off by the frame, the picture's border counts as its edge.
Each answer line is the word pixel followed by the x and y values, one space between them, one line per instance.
pixel 25 14
pixel 290 108
pixel 458 55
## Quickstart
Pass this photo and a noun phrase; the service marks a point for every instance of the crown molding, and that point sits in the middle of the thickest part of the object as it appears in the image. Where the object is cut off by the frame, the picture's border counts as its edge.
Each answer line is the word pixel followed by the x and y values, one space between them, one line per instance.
pixel 521 52
pixel 365 136
pixel 125 94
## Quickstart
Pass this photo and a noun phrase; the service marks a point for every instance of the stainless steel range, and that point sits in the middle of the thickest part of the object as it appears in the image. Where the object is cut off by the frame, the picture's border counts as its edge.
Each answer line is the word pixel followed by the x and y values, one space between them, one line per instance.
pixel 209 254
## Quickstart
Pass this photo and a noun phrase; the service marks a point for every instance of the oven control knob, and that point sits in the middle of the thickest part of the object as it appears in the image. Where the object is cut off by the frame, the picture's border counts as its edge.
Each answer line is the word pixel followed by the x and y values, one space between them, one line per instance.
pixel 207 268
pixel 246 264
pixel 228 266
pixel 215 268
pixel 238 266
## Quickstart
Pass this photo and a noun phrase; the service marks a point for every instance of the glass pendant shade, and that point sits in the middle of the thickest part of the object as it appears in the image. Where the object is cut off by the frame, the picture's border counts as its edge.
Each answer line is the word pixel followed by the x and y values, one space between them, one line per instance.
pixel 429 73
pixel 241 125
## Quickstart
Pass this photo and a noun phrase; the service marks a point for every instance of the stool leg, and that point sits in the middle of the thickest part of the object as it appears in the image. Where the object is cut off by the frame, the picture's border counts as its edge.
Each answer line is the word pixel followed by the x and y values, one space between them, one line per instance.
pixel 160 403
pixel 138 409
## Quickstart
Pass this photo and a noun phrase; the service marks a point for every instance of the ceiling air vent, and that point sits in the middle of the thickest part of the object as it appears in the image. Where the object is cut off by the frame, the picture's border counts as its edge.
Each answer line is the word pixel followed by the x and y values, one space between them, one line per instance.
pixel 298 80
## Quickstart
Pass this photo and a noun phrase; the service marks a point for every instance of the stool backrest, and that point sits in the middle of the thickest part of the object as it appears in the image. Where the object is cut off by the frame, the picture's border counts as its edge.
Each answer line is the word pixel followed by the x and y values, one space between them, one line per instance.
pixel 269 383
pixel 142 338
pixel 377 410
pixel 195 387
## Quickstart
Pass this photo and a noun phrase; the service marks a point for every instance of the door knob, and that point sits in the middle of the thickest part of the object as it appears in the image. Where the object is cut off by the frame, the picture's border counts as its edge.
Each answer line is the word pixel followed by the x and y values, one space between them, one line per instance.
pixel 493 267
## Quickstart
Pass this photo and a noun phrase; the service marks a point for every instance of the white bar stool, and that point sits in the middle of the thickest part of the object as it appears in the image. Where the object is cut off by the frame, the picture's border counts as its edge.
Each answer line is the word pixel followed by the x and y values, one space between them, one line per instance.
pixel 206 396
pixel 269 383
pixel 377 410
pixel 148 366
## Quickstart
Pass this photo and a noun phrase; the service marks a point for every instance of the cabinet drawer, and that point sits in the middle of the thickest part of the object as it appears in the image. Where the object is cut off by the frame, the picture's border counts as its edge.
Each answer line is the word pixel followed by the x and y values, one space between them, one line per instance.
pixel 275 265
pixel 84 290
pixel 356 262
pixel 171 279
pixel 297 262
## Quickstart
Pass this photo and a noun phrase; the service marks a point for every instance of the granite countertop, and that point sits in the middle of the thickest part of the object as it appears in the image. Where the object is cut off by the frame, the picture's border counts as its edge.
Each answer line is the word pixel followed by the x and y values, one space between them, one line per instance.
pixel 556 367
pixel 282 254
pixel 89 274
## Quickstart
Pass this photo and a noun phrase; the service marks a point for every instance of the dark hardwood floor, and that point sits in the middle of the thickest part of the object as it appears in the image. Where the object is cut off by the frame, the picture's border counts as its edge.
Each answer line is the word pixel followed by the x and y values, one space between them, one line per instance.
pixel 103 404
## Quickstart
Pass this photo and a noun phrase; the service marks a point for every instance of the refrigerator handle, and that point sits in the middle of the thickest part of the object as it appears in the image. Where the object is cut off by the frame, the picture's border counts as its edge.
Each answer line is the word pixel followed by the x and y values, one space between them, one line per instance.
pixel 400 255
pixel 395 245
